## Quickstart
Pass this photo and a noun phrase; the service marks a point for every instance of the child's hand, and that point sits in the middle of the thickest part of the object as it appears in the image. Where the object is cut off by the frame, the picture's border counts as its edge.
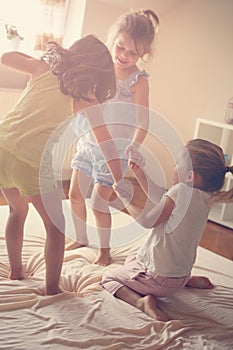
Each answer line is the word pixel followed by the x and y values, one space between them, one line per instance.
pixel 136 161
pixel 132 147
pixel 124 190
pixel 134 155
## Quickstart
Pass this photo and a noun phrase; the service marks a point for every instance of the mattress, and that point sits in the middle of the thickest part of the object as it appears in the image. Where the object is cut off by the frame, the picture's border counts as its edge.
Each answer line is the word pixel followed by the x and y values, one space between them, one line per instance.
pixel 86 316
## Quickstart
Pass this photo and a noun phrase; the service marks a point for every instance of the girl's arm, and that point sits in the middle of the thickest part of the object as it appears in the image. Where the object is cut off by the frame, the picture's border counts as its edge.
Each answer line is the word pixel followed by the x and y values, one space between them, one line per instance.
pixel 23 63
pixel 153 191
pixel 141 97
pixel 152 215
pixel 159 213
pixel 105 141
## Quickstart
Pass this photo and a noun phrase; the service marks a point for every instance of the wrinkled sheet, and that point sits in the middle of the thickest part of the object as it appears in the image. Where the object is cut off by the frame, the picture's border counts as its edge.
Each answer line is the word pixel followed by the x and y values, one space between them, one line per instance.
pixel 87 317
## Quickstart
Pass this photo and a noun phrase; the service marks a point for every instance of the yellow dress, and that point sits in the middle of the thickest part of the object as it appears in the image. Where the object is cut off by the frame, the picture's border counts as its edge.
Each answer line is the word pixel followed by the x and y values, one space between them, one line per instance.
pixel 42 108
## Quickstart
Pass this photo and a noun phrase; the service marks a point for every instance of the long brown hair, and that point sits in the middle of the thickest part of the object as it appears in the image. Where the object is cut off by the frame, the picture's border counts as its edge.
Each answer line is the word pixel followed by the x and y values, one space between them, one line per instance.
pixel 140 25
pixel 85 67
pixel 208 162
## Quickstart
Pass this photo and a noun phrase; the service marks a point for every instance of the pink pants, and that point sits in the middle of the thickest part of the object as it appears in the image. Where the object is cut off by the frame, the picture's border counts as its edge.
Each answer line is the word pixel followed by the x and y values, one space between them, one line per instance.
pixel 134 275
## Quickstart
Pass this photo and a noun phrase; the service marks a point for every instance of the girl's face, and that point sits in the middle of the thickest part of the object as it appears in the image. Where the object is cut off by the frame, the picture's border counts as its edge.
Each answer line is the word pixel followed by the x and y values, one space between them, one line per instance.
pixel 124 53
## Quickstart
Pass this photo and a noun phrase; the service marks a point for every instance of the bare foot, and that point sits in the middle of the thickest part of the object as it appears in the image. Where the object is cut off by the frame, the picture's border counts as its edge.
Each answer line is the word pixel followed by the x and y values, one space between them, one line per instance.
pixel 148 305
pixel 103 258
pixel 200 282
pixel 73 245
pixel 43 290
pixel 17 274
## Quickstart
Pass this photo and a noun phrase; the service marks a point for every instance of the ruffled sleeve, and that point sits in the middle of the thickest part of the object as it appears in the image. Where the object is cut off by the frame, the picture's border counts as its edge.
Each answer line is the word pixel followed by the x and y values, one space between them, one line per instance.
pixel 138 74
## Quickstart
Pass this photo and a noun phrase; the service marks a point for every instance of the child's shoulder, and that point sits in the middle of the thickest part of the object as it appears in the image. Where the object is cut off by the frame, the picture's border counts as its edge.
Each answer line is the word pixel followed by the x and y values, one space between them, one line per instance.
pixel 139 81
pixel 138 75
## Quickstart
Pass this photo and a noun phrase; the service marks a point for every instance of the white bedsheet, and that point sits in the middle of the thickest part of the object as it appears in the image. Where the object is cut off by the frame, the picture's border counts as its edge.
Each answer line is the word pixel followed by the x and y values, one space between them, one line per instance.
pixel 88 317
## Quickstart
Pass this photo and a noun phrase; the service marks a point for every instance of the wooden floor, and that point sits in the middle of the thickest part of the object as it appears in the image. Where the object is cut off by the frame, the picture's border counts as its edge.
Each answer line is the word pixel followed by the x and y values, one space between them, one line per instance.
pixel 218 239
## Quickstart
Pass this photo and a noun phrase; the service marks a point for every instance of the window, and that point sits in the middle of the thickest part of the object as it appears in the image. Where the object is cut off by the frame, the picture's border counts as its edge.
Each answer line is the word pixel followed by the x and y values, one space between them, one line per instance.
pixel 36 22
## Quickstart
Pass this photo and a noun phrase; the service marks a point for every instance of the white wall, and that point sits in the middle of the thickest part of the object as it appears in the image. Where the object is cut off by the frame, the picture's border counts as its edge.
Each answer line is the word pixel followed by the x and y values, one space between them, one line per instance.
pixel 98 18
pixel 193 71
pixel 192 74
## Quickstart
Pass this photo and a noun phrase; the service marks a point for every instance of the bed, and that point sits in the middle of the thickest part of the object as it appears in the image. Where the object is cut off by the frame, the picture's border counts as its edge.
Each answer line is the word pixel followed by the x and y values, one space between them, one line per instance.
pixel 87 317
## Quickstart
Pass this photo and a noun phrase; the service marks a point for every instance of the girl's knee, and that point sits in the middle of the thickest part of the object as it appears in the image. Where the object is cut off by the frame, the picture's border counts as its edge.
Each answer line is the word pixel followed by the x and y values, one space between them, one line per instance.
pixel 76 199
pixel 19 212
pixel 54 224
pixel 106 278
pixel 72 196
pixel 110 284
pixel 99 202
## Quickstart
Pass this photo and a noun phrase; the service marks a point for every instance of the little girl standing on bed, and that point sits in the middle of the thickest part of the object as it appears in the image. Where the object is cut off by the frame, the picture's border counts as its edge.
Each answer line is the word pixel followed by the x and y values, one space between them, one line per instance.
pixel 63 82
pixel 130 38
pixel 177 217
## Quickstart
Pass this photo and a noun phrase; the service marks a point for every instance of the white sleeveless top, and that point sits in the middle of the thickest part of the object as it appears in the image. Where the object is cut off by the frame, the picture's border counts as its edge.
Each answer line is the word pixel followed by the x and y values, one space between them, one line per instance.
pixel 118 114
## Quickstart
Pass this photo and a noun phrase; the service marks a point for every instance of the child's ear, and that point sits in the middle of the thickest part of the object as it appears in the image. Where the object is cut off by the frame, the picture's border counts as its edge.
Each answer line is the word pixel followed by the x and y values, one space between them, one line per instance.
pixel 91 96
pixel 190 177
pixel 193 179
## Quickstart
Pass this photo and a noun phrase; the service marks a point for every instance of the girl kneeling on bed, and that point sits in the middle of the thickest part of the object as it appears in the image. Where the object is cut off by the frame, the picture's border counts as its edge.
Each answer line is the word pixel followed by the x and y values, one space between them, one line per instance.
pixel 178 217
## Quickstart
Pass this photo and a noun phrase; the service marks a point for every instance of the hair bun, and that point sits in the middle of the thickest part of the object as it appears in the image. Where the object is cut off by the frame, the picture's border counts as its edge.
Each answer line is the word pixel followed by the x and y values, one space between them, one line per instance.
pixel 152 15
pixel 229 169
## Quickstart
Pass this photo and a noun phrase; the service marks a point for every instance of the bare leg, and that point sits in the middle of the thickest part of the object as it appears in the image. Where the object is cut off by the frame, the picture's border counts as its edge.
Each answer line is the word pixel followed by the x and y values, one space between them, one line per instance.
pixel 79 187
pixel 14 231
pixel 50 210
pixel 100 201
pixel 146 303
pixel 200 282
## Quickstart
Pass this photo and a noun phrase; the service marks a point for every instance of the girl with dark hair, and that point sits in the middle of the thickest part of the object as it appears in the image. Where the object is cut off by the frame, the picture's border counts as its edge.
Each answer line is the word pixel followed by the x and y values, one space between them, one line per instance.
pixel 62 82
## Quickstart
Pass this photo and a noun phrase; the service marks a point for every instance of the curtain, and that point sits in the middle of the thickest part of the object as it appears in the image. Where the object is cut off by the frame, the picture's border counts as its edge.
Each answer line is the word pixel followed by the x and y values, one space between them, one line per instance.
pixel 51 22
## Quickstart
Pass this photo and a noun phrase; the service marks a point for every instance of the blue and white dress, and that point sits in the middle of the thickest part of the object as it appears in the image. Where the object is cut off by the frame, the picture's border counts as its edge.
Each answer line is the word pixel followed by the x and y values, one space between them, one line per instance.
pixel 120 117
